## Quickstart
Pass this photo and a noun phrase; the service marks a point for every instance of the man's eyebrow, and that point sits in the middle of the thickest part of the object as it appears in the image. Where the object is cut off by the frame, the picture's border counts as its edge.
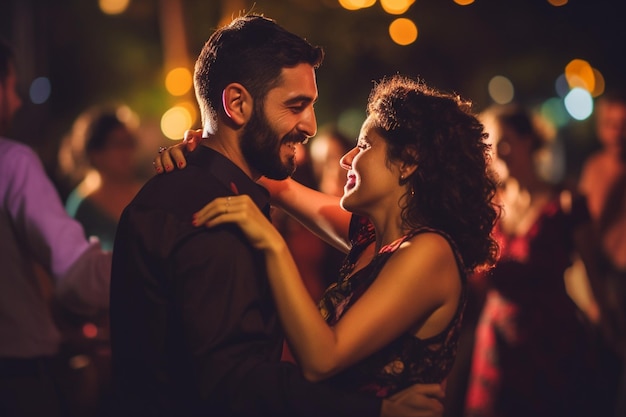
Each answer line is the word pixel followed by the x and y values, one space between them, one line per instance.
pixel 299 99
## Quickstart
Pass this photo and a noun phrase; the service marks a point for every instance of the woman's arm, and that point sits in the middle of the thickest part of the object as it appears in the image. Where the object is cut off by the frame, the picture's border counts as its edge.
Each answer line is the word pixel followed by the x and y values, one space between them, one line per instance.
pixel 318 212
pixel 418 290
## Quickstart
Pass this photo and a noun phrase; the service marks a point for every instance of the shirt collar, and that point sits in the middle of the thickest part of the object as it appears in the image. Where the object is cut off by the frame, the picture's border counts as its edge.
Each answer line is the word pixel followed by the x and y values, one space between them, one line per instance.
pixel 230 175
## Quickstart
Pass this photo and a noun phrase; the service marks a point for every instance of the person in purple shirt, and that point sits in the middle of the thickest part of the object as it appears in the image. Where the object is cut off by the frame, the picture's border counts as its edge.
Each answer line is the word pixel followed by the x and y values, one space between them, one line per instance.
pixel 36 230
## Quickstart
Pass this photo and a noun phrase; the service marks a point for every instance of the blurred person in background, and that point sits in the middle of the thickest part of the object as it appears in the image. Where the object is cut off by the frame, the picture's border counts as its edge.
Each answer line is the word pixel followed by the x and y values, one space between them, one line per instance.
pixel 44 256
pixel 99 155
pixel 533 354
pixel 603 182
pixel 326 150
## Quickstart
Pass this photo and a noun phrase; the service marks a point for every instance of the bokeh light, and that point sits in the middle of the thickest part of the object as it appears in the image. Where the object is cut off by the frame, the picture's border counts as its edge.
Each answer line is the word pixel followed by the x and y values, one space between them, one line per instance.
pixel 90 330
pixel 561 86
pixel 175 121
pixel 356 4
pixel 599 86
pixel 40 90
pixel 579 73
pixel 554 110
pixel 178 81
pixel 558 3
pixel 464 2
pixel 501 89
pixel 396 6
pixel 403 31
pixel 579 103
pixel 113 6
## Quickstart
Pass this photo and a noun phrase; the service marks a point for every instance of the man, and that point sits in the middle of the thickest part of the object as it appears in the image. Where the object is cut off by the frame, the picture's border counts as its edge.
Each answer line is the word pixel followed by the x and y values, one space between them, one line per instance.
pixel 36 230
pixel 194 327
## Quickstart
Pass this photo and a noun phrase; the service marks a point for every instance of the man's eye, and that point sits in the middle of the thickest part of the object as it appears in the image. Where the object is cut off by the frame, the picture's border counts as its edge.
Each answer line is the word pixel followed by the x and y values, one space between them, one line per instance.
pixel 298 108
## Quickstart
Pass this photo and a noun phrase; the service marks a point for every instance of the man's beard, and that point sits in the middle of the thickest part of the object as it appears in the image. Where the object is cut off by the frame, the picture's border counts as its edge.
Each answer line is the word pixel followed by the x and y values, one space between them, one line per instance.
pixel 261 147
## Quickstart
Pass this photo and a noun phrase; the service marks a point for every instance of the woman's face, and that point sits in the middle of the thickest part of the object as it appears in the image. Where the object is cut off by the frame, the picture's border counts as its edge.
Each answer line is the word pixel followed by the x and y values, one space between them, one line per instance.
pixel 514 150
pixel 117 158
pixel 372 179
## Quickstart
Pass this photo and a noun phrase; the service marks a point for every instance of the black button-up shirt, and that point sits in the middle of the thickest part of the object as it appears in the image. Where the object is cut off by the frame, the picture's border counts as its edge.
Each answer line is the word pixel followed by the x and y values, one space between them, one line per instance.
pixel 194 330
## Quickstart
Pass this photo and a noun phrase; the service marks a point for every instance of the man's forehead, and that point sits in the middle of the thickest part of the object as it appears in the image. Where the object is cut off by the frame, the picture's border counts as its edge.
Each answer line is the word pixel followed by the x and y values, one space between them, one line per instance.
pixel 297 83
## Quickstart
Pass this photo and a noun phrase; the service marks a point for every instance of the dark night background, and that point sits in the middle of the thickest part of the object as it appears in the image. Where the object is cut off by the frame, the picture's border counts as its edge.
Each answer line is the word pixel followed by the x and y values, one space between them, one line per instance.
pixel 91 57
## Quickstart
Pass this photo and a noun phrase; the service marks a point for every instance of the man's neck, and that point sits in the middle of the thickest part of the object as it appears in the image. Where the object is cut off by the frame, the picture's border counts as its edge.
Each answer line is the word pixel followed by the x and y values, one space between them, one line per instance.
pixel 232 152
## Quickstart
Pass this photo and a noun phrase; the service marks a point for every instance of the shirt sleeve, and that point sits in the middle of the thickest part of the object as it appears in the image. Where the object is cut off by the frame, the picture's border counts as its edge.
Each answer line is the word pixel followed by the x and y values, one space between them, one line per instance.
pixel 79 267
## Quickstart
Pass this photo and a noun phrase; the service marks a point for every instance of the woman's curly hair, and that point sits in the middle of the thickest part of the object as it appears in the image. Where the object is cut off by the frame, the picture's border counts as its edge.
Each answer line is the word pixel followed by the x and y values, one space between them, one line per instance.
pixel 453 187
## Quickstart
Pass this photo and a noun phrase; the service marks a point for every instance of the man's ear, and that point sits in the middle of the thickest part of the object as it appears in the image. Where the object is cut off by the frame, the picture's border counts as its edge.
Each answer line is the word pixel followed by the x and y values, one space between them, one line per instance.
pixel 237 103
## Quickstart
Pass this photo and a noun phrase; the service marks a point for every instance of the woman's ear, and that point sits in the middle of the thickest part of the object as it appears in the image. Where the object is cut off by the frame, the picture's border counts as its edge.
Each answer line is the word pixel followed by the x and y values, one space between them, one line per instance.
pixel 406 170
pixel 237 103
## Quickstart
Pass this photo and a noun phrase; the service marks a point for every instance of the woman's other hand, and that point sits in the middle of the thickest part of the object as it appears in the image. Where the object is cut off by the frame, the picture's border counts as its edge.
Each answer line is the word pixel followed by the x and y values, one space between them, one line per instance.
pixel 174 156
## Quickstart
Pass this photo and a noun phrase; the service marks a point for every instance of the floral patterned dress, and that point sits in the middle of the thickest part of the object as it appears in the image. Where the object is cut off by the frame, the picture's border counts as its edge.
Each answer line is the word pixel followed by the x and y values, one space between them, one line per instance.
pixel 407 360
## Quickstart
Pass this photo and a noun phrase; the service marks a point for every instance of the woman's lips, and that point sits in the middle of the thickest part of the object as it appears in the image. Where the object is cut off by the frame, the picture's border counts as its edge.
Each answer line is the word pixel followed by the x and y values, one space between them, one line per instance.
pixel 351 182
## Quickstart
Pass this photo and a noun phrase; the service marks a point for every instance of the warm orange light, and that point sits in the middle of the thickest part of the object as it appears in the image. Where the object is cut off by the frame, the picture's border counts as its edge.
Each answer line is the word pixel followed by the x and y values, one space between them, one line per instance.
pixel 579 73
pixel 403 31
pixel 175 121
pixel 356 4
pixel 464 2
pixel 598 89
pixel 178 81
pixel 113 6
pixel 558 3
pixel 396 6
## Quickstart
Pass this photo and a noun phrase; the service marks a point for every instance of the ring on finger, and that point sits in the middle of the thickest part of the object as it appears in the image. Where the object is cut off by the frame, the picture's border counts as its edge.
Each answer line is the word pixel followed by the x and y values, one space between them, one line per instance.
pixel 162 148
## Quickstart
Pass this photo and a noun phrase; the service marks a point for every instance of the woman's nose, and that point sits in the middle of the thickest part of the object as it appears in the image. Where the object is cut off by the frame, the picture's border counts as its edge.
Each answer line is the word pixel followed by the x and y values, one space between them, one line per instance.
pixel 346 159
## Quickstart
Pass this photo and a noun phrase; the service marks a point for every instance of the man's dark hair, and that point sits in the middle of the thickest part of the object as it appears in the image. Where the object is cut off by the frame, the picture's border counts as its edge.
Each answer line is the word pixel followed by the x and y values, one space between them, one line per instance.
pixel 6 58
pixel 252 50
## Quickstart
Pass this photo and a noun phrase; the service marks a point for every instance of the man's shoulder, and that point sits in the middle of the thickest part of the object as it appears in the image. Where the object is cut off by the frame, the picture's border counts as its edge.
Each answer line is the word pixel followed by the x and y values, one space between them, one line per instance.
pixel 179 183
pixel 179 193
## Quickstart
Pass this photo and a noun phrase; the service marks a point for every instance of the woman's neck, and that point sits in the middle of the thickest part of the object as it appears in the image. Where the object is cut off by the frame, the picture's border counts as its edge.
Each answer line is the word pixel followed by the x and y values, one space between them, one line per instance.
pixel 388 229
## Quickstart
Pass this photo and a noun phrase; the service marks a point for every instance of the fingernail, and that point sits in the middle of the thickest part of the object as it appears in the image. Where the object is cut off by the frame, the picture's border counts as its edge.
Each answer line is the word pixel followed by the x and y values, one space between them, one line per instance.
pixel 180 164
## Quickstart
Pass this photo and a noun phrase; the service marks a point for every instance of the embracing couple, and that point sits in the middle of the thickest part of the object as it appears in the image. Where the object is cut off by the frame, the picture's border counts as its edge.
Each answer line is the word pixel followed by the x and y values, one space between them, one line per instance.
pixel 203 287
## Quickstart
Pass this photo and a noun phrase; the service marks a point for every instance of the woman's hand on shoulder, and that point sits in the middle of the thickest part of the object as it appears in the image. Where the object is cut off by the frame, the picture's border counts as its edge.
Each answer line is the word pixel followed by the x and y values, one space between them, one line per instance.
pixel 169 157
pixel 243 212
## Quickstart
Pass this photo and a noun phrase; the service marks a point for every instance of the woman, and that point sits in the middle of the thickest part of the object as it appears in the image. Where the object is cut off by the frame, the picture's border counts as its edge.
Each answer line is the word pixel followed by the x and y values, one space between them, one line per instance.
pixel 101 153
pixel 415 217
pixel 531 352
